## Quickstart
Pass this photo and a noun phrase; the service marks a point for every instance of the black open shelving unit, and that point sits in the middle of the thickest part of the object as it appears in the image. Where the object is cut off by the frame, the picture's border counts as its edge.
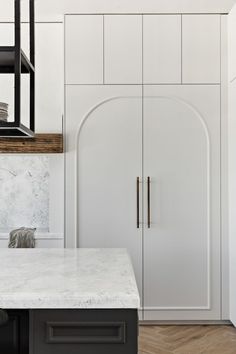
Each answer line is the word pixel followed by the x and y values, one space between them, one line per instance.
pixel 14 61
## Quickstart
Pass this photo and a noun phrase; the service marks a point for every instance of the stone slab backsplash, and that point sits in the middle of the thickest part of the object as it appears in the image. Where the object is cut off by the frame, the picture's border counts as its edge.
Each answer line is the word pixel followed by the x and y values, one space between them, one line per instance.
pixel 24 192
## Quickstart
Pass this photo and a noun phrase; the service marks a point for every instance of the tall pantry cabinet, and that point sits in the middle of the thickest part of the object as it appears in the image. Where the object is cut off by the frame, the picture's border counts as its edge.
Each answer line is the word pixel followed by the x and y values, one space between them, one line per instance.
pixel 143 132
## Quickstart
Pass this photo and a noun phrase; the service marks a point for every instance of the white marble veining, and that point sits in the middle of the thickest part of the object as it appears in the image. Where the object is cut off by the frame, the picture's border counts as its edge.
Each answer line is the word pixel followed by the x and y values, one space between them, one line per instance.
pixel 24 192
pixel 67 278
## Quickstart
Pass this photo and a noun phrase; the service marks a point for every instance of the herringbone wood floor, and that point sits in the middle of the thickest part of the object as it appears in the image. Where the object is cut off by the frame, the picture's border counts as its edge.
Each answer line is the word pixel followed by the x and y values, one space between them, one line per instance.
pixel 187 340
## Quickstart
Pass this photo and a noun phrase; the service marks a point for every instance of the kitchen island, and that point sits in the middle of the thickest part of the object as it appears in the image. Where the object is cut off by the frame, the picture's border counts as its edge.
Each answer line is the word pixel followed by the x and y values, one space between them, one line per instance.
pixel 62 301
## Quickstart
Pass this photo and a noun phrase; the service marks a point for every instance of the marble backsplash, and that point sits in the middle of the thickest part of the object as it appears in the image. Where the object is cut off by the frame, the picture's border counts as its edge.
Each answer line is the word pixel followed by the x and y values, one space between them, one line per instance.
pixel 24 192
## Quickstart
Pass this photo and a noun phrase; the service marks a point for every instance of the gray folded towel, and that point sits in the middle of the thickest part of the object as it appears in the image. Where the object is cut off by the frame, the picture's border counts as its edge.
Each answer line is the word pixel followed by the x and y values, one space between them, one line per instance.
pixel 3 112
pixel 22 238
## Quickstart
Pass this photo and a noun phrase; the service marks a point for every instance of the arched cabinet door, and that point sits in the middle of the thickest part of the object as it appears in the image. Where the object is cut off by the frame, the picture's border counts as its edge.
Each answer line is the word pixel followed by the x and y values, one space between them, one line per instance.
pixel 182 244
pixel 109 160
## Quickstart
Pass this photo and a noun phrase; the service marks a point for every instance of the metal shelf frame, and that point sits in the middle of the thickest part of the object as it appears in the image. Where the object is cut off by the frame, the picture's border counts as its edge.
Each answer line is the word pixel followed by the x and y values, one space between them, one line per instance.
pixel 13 60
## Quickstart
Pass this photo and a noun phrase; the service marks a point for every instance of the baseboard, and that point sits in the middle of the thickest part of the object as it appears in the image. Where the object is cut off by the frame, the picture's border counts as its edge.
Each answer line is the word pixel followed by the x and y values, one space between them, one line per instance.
pixel 179 323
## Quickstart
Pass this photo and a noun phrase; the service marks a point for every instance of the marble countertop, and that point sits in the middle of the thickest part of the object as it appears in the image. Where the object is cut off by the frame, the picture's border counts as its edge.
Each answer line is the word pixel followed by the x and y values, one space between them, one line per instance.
pixel 67 278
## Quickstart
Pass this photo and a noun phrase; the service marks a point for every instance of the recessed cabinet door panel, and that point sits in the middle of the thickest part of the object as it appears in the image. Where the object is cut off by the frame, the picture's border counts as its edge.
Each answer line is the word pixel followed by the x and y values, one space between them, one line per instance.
pixel 201 49
pixel 109 154
pixel 162 49
pixel 84 49
pixel 182 245
pixel 105 124
pixel 123 49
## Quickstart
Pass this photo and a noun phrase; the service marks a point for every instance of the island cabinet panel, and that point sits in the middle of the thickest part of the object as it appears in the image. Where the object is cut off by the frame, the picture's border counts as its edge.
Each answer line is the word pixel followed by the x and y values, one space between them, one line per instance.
pixel 14 335
pixel 201 49
pixel 123 49
pixel 84 331
pixel 162 49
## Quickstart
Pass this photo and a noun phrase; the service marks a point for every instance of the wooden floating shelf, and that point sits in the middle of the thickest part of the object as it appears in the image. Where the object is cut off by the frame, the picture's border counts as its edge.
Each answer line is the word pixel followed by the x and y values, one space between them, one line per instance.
pixel 40 144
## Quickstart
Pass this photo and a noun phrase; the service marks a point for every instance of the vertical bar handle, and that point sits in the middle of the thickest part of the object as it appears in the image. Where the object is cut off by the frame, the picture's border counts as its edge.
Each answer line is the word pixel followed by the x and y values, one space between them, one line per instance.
pixel 149 202
pixel 137 192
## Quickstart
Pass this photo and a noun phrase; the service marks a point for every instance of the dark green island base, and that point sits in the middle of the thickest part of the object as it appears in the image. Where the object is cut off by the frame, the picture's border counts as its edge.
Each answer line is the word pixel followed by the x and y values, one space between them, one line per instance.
pixel 59 331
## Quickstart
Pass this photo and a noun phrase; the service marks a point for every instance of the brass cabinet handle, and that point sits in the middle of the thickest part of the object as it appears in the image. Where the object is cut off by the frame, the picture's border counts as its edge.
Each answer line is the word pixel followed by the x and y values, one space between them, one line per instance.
pixel 149 202
pixel 137 185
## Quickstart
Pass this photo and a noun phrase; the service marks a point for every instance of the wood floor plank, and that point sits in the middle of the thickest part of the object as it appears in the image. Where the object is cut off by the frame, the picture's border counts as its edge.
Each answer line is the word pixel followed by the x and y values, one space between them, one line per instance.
pixel 199 339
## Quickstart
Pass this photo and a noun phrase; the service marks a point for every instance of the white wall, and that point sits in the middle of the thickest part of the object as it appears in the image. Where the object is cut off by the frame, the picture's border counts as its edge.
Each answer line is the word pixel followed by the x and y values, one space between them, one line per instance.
pixel 232 160
pixel 49 110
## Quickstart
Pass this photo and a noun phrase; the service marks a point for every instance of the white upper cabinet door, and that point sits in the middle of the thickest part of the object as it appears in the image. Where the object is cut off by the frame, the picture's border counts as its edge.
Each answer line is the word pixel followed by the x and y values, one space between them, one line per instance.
pixel 162 49
pixel 123 49
pixel 84 49
pixel 201 49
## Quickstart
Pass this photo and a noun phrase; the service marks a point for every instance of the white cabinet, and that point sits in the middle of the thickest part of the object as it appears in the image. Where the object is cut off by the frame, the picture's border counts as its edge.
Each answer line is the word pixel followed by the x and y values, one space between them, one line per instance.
pixel 136 49
pixel 178 146
pixel 162 49
pixel 84 49
pixel 129 127
pixel 182 245
pixel 201 49
pixel 104 133
pixel 108 141
pixel 123 49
